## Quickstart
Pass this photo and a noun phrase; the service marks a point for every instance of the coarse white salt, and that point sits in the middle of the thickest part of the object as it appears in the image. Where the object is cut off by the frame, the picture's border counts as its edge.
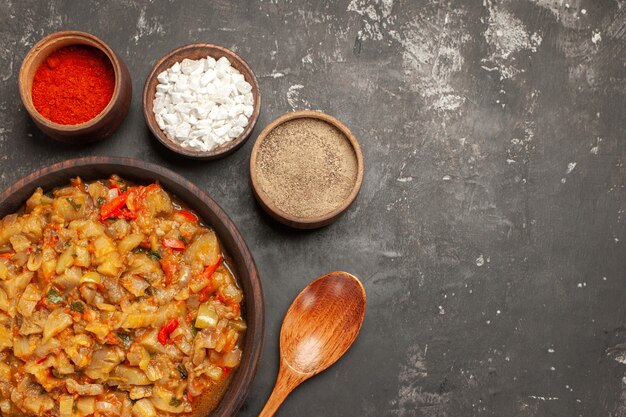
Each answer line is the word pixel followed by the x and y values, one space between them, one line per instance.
pixel 202 104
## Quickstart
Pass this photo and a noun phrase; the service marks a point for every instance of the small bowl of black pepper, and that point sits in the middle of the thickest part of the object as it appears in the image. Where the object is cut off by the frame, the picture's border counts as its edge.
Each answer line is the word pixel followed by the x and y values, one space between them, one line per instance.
pixel 306 169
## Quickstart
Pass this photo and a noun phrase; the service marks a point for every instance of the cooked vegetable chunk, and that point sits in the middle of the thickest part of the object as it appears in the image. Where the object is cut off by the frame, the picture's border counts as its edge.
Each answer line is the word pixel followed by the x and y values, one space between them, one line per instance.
pixel 114 301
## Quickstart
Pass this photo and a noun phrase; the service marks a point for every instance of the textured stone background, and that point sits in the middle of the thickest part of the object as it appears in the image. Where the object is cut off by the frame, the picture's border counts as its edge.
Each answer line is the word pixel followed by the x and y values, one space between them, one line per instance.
pixel 489 231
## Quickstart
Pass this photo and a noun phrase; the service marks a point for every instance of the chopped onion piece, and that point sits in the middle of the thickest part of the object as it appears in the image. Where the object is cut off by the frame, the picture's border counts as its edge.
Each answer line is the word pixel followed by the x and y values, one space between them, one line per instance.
pixel 56 322
pixel 144 408
pixel 108 408
pixel 91 277
pixel 163 400
pixel 232 359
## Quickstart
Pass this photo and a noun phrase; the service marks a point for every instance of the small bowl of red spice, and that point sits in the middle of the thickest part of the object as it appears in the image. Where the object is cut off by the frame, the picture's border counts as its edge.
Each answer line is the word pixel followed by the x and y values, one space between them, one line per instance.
pixel 75 87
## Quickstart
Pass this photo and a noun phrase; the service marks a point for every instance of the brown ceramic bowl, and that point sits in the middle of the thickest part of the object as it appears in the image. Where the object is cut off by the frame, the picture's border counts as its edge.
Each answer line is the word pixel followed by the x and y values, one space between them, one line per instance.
pixel 276 211
pixel 141 172
pixel 109 119
pixel 198 51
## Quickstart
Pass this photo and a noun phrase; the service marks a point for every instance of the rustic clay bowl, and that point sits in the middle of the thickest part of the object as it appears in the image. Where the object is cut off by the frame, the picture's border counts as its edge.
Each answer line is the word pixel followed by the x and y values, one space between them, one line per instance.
pixel 12 198
pixel 198 51
pixel 275 211
pixel 109 119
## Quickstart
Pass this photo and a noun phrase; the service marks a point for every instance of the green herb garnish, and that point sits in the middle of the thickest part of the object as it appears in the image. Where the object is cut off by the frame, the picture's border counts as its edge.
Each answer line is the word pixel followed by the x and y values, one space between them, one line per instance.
pixel 56 373
pixel 125 338
pixel 77 306
pixel 154 255
pixel 74 204
pixel 100 201
pixel 67 243
pixel 182 371
pixel 54 296
pixel 175 402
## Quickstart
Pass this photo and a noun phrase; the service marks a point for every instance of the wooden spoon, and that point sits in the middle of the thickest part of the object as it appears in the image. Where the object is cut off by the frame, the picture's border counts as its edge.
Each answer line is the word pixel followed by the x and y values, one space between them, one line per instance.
pixel 319 327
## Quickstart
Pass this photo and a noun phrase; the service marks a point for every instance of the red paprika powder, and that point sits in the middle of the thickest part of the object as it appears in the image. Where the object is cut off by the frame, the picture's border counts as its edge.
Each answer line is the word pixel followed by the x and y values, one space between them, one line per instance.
pixel 73 85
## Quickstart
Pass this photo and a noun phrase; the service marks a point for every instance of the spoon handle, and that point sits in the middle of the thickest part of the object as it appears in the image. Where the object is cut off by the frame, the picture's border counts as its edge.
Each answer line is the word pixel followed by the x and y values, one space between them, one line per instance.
pixel 286 381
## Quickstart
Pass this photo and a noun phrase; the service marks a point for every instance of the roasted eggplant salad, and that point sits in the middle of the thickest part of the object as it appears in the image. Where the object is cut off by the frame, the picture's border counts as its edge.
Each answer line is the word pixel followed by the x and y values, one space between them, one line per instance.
pixel 114 301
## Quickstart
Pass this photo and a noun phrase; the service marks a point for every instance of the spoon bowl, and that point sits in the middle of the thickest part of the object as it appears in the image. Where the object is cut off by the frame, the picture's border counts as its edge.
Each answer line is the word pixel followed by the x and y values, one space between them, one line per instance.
pixel 319 327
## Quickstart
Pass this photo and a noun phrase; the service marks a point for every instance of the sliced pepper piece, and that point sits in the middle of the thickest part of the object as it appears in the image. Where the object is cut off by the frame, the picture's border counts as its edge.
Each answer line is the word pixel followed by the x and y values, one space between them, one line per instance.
pixel 204 293
pixel 170 267
pixel 188 215
pixel 166 330
pixel 108 209
pixel 212 268
pixel 124 212
pixel 171 243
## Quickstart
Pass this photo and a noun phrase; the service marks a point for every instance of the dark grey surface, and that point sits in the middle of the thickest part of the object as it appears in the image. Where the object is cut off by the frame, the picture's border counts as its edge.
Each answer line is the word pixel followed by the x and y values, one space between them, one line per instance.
pixel 489 232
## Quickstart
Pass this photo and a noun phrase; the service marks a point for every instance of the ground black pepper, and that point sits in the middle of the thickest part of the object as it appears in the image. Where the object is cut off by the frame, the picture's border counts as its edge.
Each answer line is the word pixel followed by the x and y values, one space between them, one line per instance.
pixel 306 167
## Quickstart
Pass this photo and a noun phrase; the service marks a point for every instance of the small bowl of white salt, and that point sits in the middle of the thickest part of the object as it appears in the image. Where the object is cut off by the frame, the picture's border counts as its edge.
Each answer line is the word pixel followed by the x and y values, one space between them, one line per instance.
pixel 201 101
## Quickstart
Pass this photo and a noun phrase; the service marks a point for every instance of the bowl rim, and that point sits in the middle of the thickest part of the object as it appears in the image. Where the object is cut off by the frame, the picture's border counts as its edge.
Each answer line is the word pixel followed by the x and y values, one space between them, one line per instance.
pixel 38 49
pixel 60 173
pixel 275 211
pixel 148 96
